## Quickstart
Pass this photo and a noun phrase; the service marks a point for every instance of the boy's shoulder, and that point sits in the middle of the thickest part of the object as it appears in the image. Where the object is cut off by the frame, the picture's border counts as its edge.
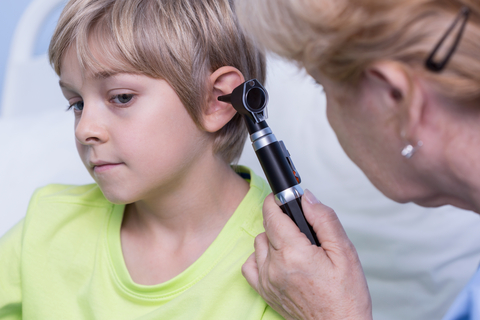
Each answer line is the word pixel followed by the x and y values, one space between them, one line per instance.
pixel 254 180
pixel 60 207
pixel 250 208
pixel 62 232
pixel 89 195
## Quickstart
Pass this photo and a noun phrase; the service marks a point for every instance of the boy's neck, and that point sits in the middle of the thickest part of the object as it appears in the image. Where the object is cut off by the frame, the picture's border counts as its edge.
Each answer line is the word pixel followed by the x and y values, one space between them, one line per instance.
pixel 179 225
pixel 205 195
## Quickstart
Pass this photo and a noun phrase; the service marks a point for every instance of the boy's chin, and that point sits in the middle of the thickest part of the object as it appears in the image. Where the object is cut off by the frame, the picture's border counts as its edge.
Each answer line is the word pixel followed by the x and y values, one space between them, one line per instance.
pixel 116 197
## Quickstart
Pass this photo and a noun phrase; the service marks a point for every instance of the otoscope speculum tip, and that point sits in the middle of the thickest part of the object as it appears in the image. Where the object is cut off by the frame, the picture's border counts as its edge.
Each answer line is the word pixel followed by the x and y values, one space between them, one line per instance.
pixel 225 98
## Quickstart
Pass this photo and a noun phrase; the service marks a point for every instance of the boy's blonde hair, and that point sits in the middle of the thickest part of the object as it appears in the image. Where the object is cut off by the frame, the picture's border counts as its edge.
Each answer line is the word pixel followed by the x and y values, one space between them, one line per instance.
pixel 180 41
pixel 341 38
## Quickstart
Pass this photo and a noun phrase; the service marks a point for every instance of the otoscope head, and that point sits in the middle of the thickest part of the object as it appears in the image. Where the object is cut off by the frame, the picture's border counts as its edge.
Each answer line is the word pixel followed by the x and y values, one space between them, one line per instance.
pixel 249 99
pixel 255 97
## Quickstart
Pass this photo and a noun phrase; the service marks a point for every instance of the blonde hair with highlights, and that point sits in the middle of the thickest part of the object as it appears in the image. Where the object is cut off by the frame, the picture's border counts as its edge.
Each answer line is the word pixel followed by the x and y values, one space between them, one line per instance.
pixel 180 41
pixel 341 38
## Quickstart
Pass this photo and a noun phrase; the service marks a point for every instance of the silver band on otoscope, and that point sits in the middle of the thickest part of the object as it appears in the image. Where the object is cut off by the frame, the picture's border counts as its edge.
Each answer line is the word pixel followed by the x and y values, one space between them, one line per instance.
pixel 288 195
pixel 261 133
pixel 264 141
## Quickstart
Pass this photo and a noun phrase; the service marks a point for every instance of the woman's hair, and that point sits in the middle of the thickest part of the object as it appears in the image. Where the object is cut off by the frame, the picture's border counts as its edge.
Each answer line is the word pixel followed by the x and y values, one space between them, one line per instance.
pixel 341 38
pixel 180 41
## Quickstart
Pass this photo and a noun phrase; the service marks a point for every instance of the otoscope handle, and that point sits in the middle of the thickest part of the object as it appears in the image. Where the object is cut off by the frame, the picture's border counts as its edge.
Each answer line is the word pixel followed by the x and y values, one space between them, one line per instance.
pixel 275 165
pixel 294 210
pixel 282 177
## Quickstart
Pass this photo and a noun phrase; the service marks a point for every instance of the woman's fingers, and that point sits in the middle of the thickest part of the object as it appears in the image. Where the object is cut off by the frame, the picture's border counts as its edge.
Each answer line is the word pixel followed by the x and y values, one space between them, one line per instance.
pixel 250 272
pixel 279 228
pixel 303 281
pixel 261 248
pixel 250 267
pixel 282 231
pixel 324 222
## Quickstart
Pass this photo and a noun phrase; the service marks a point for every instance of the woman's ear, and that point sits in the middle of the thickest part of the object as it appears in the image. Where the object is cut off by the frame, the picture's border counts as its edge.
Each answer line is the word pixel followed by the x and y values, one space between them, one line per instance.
pixel 398 90
pixel 217 114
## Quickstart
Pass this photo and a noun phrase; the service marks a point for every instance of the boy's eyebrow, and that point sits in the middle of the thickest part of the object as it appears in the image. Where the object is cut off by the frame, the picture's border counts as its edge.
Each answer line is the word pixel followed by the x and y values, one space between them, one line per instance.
pixel 104 74
pixel 97 75
pixel 63 84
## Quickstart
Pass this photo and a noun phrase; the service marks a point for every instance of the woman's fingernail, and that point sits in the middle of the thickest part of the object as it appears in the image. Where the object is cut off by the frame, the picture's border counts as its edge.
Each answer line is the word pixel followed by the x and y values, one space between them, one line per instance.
pixel 310 197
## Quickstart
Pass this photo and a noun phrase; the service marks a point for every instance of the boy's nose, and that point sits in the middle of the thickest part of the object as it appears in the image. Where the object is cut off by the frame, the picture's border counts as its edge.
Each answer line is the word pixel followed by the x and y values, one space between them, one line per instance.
pixel 89 129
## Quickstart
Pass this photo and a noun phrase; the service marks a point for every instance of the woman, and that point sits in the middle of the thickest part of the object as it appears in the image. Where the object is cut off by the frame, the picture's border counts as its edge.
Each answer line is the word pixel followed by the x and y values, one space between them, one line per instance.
pixel 402 80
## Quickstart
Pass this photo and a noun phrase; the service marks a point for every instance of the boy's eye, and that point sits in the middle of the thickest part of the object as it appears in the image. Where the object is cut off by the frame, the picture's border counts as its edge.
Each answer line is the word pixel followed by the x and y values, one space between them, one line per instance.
pixel 77 106
pixel 122 98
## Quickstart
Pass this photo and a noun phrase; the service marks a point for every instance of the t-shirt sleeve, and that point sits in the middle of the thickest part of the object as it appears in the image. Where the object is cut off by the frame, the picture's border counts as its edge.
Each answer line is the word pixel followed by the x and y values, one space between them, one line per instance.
pixel 10 279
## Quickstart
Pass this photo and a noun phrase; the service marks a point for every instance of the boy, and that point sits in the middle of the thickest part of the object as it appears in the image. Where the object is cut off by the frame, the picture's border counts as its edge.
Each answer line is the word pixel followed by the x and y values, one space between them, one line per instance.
pixel 166 228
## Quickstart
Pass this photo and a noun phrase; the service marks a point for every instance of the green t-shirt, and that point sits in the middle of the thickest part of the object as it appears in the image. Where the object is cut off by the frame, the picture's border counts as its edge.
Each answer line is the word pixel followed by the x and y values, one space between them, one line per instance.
pixel 64 261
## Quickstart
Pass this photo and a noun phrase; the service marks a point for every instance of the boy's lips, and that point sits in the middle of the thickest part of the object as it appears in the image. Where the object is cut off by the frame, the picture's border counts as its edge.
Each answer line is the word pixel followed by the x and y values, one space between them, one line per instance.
pixel 101 166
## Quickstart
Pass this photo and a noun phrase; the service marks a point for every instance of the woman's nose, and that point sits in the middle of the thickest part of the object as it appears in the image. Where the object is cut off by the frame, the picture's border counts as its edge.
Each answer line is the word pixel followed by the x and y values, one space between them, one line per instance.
pixel 90 128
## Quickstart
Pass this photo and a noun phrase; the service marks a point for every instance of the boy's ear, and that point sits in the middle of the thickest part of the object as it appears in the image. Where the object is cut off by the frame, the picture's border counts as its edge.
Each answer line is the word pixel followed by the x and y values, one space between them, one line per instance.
pixel 390 82
pixel 217 114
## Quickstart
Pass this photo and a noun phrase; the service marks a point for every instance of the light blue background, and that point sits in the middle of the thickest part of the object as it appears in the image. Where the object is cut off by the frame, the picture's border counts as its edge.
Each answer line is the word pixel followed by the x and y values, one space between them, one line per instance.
pixel 10 14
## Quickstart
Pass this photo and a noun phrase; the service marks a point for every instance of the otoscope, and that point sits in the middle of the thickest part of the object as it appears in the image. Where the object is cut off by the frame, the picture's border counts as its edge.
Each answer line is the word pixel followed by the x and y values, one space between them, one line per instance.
pixel 250 100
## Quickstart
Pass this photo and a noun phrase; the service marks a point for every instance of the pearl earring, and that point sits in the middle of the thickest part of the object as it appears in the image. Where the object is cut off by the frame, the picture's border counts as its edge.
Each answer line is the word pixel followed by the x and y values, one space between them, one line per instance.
pixel 410 150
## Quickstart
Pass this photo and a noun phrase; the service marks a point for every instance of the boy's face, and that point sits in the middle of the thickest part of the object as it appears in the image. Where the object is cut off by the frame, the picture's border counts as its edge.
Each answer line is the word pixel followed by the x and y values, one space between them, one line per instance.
pixel 132 132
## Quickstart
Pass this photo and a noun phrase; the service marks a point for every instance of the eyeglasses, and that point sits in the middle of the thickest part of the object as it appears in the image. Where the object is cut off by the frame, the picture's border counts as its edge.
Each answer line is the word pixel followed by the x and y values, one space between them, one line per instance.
pixel 438 66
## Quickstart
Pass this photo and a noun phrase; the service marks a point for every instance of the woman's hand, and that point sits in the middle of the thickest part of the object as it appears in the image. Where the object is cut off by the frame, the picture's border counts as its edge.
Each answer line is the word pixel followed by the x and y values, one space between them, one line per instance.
pixel 303 281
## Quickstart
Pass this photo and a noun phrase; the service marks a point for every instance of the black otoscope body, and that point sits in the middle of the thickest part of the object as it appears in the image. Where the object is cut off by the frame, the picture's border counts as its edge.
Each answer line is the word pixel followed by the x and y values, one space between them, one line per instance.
pixel 250 99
